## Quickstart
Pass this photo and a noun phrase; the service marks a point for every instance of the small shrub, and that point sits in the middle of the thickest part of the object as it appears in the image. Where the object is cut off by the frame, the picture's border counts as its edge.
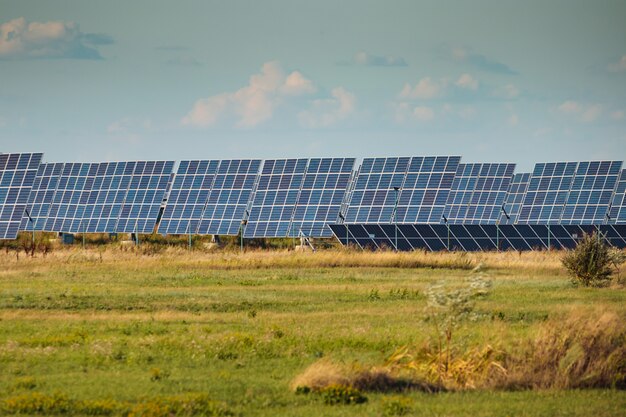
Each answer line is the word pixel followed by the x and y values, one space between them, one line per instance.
pixel 157 374
pixel 342 395
pixel 590 263
pixel 396 406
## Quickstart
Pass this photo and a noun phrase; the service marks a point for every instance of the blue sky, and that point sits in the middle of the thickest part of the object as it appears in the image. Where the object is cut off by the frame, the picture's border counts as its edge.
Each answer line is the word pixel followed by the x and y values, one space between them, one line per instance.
pixel 492 81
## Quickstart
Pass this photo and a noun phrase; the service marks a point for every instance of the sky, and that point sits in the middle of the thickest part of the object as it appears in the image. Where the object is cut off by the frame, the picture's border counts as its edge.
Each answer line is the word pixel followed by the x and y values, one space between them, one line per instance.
pixel 492 81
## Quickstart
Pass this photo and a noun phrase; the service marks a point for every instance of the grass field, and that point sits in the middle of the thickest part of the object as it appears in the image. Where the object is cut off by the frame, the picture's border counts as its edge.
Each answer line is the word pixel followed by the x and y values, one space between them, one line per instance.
pixel 115 326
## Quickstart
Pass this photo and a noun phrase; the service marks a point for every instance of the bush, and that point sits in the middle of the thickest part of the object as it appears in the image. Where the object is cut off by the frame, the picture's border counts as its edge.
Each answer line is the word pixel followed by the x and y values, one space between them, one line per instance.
pixel 590 263
pixel 341 394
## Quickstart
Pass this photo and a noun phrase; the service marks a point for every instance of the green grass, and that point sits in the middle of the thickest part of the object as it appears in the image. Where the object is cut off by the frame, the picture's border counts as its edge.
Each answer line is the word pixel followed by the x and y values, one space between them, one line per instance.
pixel 129 327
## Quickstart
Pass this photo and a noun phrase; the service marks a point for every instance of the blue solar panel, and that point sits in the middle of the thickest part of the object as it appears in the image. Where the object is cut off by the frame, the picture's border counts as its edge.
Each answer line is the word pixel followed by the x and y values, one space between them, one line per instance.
pixel 146 191
pixel 188 196
pixel 617 214
pixel 106 197
pixel 478 192
pixel 229 197
pixel 17 175
pixel 69 199
pixel 426 189
pixel 591 192
pixel 275 198
pixel 321 196
pixel 373 198
pixel 40 197
pixel 547 193
pixel 514 198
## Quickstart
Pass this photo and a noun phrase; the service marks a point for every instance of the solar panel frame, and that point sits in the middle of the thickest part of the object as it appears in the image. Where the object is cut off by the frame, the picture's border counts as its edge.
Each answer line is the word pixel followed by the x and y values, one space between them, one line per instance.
pixel 478 192
pixel 70 198
pixel 591 193
pixel 17 175
pixel 374 197
pixel 321 196
pixel 229 197
pixel 188 196
pixel 106 197
pixel 275 198
pixel 514 198
pixel 426 188
pixel 547 193
pixel 40 197
pixel 617 212
pixel 145 195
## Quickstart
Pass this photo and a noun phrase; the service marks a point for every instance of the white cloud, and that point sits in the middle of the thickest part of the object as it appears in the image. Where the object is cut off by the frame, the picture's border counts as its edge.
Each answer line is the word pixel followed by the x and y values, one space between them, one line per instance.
pixel 128 129
pixel 586 113
pixel 618 115
pixel 296 84
pixel 368 60
pixel 252 104
pixel 327 112
pixel 423 113
pixel 52 40
pixel 569 107
pixel 619 66
pixel 508 91
pixel 591 113
pixel 467 82
pixel 425 89
pixel 513 120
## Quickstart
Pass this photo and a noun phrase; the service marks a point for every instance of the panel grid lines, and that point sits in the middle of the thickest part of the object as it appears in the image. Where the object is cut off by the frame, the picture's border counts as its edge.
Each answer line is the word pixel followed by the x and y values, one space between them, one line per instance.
pixel 322 193
pixel 617 214
pixel 478 192
pixel 229 197
pixel 514 198
pixel 275 198
pixel 17 175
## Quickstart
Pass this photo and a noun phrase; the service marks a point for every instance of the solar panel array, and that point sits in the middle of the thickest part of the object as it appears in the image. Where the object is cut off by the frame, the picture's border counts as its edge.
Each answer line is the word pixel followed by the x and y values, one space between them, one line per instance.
pixel 322 195
pixel 275 199
pixel 229 197
pixel 17 175
pixel 70 197
pixel 302 197
pixel 547 193
pixel 426 189
pixel 145 195
pixel 478 192
pixel 41 195
pixel 374 196
pixel 106 197
pixel 514 198
pixel 188 195
pixel 617 213
pixel 591 192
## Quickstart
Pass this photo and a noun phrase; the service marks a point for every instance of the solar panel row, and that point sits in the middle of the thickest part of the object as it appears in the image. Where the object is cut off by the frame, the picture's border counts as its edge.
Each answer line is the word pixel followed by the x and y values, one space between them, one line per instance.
pixel 98 197
pixel 17 175
pixel 293 197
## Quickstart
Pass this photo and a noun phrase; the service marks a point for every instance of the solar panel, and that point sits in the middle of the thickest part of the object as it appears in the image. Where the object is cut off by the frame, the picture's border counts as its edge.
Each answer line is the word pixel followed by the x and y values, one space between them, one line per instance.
pixel 188 196
pixel 17 175
pixel 547 193
pixel 106 197
pixel 514 198
pixel 69 199
pixel 146 191
pixel 229 197
pixel 617 214
pixel 374 196
pixel 275 198
pixel 40 197
pixel 591 192
pixel 478 192
pixel 321 196
pixel 426 189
